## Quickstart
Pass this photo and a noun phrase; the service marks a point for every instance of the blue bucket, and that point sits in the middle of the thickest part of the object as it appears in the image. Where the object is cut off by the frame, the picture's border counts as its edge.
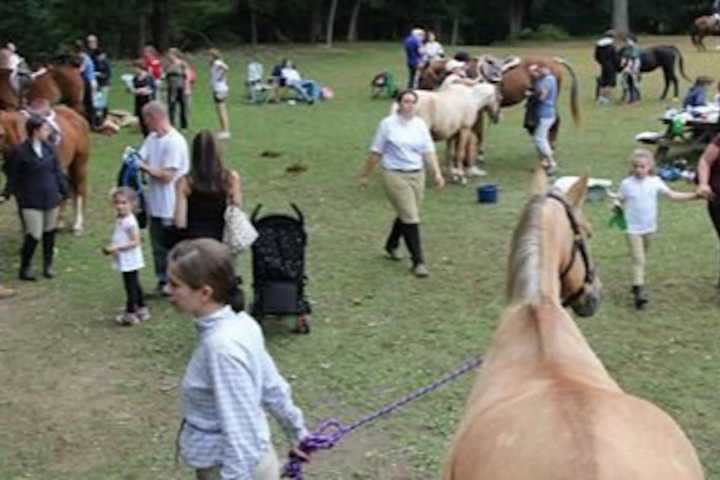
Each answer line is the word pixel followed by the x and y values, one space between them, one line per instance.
pixel 487 193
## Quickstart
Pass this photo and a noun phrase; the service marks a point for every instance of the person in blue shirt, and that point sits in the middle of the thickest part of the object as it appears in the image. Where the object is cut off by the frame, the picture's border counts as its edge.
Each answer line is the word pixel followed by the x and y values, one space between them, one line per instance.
pixel 696 95
pixel 87 71
pixel 413 43
pixel 544 96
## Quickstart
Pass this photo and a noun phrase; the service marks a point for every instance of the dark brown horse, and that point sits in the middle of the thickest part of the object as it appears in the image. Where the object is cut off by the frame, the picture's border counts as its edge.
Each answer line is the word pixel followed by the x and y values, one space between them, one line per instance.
pixel 702 27
pixel 73 150
pixel 58 84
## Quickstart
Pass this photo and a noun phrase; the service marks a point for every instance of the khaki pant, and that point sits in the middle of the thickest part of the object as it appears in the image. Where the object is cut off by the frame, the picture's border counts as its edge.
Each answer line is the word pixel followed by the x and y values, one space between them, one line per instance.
pixel 405 191
pixel 38 221
pixel 267 469
pixel 639 245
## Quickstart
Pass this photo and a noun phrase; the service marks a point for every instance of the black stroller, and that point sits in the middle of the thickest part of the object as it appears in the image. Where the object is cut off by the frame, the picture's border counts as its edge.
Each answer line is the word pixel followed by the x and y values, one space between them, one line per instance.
pixel 278 266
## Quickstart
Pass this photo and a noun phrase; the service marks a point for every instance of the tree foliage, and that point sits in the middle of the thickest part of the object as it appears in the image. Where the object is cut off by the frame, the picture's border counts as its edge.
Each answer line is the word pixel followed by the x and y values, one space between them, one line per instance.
pixel 43 27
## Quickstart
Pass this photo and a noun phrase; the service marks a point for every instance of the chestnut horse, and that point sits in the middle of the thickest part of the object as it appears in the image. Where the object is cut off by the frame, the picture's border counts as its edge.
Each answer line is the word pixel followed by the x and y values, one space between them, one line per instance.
pixel 703 27
pixel 543 406
pixel 73 150
pixel 515 82
pixel 58 84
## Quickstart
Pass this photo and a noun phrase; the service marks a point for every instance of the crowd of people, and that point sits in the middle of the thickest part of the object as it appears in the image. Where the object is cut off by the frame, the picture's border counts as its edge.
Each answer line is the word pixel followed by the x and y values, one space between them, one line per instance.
pixel 231 380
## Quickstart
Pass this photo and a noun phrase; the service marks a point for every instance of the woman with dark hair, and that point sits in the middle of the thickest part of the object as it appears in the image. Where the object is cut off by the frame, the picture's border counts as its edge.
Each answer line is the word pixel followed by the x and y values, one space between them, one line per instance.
pixel 404 148
pixel 203 194
pixel 38 183
pixel 231 381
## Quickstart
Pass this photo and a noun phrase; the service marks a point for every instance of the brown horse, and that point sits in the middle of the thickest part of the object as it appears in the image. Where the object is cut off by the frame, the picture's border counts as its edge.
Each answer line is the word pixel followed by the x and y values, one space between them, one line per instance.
pixel 703 27
pixel 58 84
pixel 515 82
pixel 543 406
pixel 73 150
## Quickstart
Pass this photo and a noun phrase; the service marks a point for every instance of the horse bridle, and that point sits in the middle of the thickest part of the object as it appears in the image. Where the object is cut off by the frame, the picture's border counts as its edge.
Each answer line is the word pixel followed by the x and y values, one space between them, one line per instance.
pixel 578 245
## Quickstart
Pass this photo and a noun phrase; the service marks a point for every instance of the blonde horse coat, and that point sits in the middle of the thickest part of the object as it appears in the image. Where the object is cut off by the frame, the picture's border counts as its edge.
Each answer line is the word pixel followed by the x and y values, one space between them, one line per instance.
pixel 453 112
pixel 543 406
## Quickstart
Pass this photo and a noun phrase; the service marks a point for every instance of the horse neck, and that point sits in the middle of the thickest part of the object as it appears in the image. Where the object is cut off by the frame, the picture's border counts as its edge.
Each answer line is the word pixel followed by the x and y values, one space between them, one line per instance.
pixel 537 253
pixel 535 331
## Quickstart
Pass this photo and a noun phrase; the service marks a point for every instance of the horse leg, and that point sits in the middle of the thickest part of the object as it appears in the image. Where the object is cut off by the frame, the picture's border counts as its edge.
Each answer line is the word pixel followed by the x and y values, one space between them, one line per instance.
pixel 460 152
pixel 479 138
pixel 79 176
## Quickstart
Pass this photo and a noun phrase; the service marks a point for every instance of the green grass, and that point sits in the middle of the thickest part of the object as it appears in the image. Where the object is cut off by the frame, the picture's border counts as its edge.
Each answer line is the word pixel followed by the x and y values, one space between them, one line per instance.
pixel 83 399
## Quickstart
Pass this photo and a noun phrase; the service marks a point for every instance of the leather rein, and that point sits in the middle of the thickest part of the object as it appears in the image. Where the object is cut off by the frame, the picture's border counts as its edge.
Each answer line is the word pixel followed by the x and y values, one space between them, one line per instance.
pixel 578 246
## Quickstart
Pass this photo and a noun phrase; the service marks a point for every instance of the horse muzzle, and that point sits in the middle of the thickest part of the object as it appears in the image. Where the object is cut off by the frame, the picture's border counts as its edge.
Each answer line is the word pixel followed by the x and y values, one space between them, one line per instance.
pixel 587 304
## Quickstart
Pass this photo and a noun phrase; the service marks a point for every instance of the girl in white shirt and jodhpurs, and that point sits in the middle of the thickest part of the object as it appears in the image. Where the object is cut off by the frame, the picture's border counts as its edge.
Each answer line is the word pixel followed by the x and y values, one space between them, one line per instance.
pixel 638 194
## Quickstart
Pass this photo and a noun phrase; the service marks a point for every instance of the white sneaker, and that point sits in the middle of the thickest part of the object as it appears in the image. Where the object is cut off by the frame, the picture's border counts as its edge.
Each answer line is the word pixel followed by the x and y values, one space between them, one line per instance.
pixel 222 135
pixel 476 172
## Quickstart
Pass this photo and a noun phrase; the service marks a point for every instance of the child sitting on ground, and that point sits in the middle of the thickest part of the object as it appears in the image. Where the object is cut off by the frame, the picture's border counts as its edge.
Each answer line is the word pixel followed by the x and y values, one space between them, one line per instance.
pixel 638 195
pixel 127 255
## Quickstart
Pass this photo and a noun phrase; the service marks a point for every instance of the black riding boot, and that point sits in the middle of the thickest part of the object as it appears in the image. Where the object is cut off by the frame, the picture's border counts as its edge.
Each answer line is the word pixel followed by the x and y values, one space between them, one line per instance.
pixel 640 297
pixel 412 240
pixel 393 240
pixel 48 241
pixel 26 254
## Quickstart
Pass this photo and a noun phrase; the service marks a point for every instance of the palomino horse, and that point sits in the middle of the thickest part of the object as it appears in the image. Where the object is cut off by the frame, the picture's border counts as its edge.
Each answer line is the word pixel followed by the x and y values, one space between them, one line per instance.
pixel 703 27
pixel 73 151
pixel 543 406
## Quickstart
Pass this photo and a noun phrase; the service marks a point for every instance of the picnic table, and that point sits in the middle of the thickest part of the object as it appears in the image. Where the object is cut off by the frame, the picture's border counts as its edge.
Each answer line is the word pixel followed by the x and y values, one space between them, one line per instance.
pixel 686 134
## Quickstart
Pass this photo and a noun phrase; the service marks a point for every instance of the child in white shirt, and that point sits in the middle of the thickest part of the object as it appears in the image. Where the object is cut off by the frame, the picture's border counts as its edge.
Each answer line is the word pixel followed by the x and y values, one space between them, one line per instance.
pixel 127 255
pixel 638 195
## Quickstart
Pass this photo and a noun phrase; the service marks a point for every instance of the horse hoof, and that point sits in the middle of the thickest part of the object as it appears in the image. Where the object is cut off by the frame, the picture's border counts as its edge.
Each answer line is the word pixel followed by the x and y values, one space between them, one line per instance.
pixel 77 231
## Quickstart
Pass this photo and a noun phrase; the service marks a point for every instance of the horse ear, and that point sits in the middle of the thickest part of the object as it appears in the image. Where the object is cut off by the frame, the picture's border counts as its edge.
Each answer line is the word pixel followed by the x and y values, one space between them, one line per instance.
pixel 576 194
pixel 538 186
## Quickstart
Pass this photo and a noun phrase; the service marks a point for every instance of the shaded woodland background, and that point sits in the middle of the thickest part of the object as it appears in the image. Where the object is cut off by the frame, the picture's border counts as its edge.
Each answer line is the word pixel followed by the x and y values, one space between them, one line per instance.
pixel 44 27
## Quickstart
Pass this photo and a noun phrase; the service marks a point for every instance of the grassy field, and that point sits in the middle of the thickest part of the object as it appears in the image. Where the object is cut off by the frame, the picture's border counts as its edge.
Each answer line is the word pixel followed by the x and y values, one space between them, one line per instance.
pixel 83 399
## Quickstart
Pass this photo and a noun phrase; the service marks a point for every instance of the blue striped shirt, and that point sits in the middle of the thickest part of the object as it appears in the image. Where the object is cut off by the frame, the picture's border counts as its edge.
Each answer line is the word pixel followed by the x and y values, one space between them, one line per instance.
pixel 229 382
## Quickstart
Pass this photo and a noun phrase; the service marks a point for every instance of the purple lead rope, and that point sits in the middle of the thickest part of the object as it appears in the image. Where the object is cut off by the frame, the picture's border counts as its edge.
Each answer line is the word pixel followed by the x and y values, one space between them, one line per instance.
pixel 330 432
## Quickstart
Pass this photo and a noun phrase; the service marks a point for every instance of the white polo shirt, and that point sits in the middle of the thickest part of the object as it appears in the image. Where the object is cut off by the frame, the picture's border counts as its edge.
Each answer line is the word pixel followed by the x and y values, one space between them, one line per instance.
pixel 640 202
pixel 167 152
pixel 402 143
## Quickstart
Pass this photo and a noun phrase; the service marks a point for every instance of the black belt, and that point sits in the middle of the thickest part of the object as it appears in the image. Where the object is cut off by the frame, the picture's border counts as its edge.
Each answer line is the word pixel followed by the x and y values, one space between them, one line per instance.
pixel 403 171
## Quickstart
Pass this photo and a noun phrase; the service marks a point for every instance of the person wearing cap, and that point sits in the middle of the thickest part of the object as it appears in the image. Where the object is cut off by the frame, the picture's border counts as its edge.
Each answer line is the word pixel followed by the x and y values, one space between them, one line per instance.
pixel 413 54
pixel 607 57
pixel 696 95
pixel 457 75
pixel 544 96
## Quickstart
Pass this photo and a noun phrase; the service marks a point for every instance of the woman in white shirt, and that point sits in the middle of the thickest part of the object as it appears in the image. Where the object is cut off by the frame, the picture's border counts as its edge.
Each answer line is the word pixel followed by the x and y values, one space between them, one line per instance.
pixel 220 89
pixel 403 146
pixel 432 49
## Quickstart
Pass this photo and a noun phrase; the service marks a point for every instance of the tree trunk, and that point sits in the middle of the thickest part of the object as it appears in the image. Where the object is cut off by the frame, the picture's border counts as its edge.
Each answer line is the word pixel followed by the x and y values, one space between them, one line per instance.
pixel 142 33
pixel 352 34
pixel 316 22
pixel 254 37
pixel 620 16
pixel 331 23
pixel 455 35
pixel 517 13
pixel 160 18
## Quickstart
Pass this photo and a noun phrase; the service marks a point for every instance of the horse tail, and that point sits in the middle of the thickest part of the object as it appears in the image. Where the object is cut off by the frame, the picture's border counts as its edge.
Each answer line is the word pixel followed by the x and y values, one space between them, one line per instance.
pixel 574 106
pixel 680 62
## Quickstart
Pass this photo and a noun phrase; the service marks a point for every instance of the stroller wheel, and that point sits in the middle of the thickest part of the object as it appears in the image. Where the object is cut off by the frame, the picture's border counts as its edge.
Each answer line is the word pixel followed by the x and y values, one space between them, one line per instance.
pixel 302 325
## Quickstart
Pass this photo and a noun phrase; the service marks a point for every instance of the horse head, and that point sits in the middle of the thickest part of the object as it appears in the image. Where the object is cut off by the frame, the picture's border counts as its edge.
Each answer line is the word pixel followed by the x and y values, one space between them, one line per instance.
pixel 580 286
pixel 488 99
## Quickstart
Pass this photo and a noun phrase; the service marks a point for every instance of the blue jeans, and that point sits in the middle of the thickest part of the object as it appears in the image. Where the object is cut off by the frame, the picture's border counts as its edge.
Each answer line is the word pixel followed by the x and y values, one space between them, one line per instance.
pixel 308 90
pixel 541 137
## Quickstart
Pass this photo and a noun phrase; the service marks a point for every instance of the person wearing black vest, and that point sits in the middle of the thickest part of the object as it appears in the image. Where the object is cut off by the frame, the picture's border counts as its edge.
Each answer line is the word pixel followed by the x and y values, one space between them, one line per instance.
pixel 607 57
pixel 38 184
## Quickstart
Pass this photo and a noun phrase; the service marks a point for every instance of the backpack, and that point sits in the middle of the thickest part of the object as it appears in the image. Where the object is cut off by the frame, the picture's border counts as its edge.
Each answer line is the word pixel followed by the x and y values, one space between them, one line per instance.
pixel 130 176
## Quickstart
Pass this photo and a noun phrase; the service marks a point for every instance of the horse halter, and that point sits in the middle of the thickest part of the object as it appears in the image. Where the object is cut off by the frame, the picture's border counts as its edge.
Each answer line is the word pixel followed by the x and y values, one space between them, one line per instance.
pixel 578 245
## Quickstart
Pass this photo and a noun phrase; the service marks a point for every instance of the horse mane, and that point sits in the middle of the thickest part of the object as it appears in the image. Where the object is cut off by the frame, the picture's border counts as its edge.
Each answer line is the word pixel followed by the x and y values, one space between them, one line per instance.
pixel 526 252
